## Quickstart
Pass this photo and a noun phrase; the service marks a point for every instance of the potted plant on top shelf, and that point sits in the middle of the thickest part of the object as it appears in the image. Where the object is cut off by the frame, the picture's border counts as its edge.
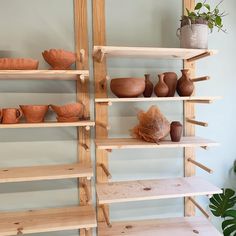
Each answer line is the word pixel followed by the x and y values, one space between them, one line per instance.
pixel 196 24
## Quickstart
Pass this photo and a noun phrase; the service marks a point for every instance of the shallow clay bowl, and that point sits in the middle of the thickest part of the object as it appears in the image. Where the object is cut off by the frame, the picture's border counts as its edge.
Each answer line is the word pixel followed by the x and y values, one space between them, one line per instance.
pixel 127 87
pixel 69 110
pixel 18 64
pixel 59 59
pixel 34 113
pixel 64 119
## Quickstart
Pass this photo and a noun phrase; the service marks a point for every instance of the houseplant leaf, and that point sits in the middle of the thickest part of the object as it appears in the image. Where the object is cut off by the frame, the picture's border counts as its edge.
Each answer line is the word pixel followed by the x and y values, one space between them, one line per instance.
pixel 198 6
pixel 220 203
pixel 229 224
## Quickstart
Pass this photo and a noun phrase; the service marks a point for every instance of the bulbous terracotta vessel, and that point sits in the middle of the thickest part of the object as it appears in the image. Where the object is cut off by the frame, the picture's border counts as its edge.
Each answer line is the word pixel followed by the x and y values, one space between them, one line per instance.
pixel 176 129
pixel 127 87
pixel 185 86
pixel 69 112
pixel 18 64
pixel 59 59
pixel 34 113
pixel 10 115
pixel 148 87
pixel 170 78
pixel 161 89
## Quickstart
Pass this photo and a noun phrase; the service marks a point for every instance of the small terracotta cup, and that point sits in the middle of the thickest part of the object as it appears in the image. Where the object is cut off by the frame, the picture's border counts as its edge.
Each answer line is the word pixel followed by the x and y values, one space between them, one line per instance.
pixel 11 115
pixel 176 129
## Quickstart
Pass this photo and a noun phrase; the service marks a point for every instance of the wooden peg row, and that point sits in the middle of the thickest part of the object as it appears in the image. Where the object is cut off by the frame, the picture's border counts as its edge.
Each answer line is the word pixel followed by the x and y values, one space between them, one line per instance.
pixel 86 190
pixel 82 56
pixel 200 165
pixel 199 79
pixel 106 216
pixel 106 171
pixel 204 212
pixel 195 122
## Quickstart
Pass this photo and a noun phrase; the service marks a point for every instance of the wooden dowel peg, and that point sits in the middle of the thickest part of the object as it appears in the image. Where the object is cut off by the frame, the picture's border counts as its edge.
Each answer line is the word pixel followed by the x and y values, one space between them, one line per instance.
pixel 86 190
pixel 87 128
pixel 85 146
pixel 200 165
pixel 82 56
pixel 200 101
pixel 199 207
pixel 199 79
pixel 105 216
pixel 105 170
pixel 82 78
pixel 195 122
pixel 99 55
pixel 107 127
pixel 205 54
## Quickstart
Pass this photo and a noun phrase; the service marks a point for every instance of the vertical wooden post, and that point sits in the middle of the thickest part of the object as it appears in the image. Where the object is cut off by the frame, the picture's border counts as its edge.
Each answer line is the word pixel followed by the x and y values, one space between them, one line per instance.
pixel 82 93
pixel 100 72
pixel 189 129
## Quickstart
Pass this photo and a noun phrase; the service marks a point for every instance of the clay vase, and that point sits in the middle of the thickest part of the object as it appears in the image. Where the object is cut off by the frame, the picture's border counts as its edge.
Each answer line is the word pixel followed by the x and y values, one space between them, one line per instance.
pixel 161 89
pixel 148 87
pixel 34 113
pixel 11 115
pixel 171 81
pixel 185 86
pixel 176 129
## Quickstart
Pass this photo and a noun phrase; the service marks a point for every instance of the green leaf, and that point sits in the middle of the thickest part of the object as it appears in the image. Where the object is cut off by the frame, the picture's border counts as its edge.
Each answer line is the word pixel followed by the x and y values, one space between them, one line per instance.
pixel 220 203
pixel 217 11
pixel 229 224
pixel 198 6
pixel 218 21
pixel 207 6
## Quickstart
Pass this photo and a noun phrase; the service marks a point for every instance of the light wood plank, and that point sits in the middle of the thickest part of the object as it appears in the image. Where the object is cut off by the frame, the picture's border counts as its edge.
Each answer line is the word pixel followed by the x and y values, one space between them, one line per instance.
pixel 33 173
pixel 48 124
pixel 188 226
pixel 128 143
pixel 159 53
pixel 48 220
pixel 42 74
pixel 140 190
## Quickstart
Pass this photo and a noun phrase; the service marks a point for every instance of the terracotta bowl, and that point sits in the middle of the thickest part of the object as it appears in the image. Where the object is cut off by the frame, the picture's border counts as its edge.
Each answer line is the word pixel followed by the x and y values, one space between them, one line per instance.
pixel 18 64
pixel 34 113
pixel 69 110
pixel 127 87
pixel 59 59
pixel 64 119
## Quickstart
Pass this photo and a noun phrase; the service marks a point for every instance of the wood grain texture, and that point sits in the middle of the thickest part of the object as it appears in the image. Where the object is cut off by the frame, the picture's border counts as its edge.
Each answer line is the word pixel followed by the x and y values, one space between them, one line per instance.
pixel 188 226
pixel 48 220
pixel 140 190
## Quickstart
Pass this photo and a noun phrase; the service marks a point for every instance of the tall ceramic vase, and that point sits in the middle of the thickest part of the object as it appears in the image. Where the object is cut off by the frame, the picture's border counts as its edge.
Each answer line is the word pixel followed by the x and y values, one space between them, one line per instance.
pixel 161 89
pixel 185 86
pixel 148 87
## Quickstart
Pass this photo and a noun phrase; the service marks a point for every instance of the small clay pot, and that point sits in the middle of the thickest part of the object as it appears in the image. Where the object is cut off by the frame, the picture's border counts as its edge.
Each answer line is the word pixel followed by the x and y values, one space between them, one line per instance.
pixel 170 78
pixel 69 110
pixel 148 87
pixel 18 64
pixel 34 113
pixel 176 129
pixel 161 89
pixel 127 87
pixel 185 86
pixel 59 59
pixel 11 115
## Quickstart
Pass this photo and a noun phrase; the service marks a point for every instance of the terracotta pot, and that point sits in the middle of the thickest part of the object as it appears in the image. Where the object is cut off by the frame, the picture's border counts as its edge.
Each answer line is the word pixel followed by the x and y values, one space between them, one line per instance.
pixel 185 86
pixel 148 87
pixel 69 110
pixel 127 87
pixel 11 115
pixel 59 59
pixel 170 78
pixel 161 89
pixel 34 113
pixel 70 119
pixel 18 64
pixel 176 129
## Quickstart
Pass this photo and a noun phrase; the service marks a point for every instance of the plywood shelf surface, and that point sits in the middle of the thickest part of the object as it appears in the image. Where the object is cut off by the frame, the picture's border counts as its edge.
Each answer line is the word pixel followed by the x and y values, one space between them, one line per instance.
pixel 48 220
pixel 140 190
pixel 20 174
pixel 159 53
pixel 183 226
pixel 48 124
pixel 129 143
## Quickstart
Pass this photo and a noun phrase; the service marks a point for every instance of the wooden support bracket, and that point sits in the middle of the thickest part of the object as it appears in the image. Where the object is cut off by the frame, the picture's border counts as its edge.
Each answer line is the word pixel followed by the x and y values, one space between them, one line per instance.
pixel 200 165
pixel 105 170
pixel 199 79
pixel 195 122
pixel 99 55
pixel 193 59
pixel 86 190
pixel 105 216
pixel 199 207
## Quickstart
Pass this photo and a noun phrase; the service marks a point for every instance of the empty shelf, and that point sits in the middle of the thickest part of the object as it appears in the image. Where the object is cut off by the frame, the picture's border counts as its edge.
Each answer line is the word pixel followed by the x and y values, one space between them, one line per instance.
pixel 185 226
pixel 128 191
pixel 47 220
pixel 20 174
pixel 128 143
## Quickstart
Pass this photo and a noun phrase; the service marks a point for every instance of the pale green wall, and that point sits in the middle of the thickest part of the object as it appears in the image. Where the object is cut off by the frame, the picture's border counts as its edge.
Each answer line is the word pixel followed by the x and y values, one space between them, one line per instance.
pixel 30 26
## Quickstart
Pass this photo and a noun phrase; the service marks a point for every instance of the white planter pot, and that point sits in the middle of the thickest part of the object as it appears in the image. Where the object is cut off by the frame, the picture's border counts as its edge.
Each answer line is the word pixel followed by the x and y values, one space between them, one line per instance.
pixel 193 36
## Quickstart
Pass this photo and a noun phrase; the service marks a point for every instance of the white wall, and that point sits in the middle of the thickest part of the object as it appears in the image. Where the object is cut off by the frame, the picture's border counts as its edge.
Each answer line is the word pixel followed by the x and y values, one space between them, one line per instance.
pixel 30 26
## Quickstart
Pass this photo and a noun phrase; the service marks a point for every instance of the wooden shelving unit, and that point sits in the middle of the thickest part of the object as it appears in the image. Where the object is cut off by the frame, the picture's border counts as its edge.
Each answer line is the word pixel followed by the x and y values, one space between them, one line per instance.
pixel 189 186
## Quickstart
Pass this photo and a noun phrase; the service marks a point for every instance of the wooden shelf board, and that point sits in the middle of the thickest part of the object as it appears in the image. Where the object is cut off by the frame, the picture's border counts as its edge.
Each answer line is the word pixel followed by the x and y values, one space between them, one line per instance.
pixel 140 190
pixel 155 99
pixel 48 220
pixel 42 74
pixel 33 173
pixel 183 226
pixel 129 143
pixel 159 53
pixel 48 124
